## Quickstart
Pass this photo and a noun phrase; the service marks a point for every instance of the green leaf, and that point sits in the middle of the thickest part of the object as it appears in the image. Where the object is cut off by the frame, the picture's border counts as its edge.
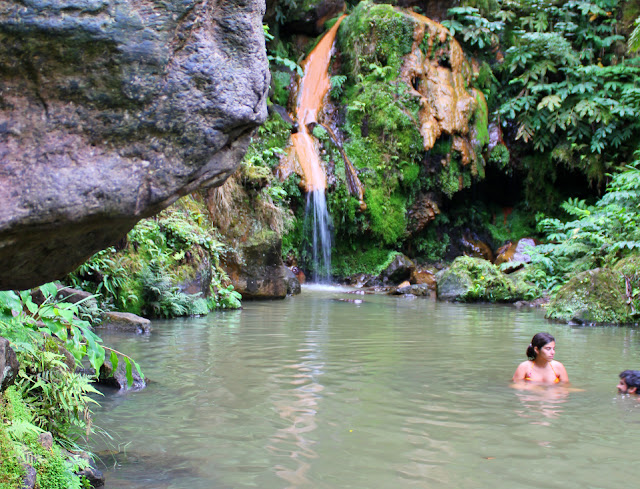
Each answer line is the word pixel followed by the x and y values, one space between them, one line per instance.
pixel 551 102
pixel 49 290
pixel 128 372
pixel 114 360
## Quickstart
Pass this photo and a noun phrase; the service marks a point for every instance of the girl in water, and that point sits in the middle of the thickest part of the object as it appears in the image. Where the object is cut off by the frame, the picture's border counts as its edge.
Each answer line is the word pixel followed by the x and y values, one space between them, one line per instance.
pixel 541 367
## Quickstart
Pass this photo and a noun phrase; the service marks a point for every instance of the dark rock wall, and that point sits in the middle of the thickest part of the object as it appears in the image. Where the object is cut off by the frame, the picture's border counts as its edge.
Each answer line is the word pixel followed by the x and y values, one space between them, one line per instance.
pixel 110 110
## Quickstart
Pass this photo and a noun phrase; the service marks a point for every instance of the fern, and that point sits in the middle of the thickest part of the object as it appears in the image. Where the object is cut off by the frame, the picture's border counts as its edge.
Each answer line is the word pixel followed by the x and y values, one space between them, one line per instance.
pixel 599 235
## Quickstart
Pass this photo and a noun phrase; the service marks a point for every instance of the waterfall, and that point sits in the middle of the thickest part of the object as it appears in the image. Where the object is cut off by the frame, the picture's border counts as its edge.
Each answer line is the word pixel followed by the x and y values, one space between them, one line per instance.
pixel 313 87
pixel 317 226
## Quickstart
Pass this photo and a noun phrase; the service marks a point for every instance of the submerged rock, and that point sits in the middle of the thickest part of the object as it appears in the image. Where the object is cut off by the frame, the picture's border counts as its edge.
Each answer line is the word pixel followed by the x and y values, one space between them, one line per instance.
pixel 110 111
pixel 125 322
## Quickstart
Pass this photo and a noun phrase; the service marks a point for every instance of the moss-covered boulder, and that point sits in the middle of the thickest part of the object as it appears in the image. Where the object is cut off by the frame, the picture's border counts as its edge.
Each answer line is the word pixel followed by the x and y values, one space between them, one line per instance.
pixel 592 297
pixel 471 279
pixel 629 267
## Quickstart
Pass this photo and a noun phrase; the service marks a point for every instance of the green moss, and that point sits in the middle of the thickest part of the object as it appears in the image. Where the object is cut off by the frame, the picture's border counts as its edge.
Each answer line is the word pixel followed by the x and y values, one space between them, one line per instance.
pixel 18 440
pixel 410 173
pixel 363 259
pixel 269 142
pixel 500 156
pixel 387 214
pixel 375 34
pixel 480 123
pixel 280 81
pixel 449 178
pixel 11 470
pixel 592 297
pixel 474 279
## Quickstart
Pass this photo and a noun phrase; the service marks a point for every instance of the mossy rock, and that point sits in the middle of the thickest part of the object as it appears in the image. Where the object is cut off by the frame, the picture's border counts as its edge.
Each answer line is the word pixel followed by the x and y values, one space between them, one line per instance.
pixel 593 297
pixel 525 288
pixel 629 267
pixel 471 279
pixel 375 34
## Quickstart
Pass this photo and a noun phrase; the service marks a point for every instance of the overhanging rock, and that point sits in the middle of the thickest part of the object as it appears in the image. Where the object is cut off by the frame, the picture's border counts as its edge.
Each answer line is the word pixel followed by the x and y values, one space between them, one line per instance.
pixel 110 110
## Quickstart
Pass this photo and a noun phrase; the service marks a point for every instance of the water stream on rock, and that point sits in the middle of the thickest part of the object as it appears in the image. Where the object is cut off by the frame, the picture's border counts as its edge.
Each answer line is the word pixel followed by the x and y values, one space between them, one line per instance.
pixel 318 225
pixel 313 87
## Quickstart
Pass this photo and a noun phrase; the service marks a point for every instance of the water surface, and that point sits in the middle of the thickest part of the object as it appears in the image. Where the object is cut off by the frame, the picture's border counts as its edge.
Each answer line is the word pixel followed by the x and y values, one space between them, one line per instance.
pixel 315 391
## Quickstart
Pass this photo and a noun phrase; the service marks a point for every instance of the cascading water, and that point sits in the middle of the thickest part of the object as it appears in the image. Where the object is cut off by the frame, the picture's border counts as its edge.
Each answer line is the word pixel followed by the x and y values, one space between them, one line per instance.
pixel 318 226
pixel 313 87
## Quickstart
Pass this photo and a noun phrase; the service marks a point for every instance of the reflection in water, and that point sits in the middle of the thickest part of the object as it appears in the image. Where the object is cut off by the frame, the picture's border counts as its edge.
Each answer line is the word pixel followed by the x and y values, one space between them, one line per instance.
pixel 298 403
pixel 317 393
pixel 547 400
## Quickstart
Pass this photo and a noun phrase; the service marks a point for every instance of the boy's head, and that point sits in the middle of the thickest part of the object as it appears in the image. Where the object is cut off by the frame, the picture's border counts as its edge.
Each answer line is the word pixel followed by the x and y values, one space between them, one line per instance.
pixel 629 382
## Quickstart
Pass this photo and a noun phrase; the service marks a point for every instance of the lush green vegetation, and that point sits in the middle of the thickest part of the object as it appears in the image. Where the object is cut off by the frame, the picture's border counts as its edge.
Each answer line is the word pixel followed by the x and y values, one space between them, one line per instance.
pixel 159 253
pixel 559 80
pixel 598 235
pixel 565 91
pixel 52 337
pixel 19 443
pixel 50 342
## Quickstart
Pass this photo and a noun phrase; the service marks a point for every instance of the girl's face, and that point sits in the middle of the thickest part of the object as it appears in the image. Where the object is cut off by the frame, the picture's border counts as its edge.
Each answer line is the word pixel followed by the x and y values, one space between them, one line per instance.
pixel 547 352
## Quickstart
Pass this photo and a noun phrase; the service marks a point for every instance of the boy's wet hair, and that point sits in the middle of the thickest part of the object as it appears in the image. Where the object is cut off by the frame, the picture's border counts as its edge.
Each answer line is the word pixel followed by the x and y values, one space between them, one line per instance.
pixel 631 378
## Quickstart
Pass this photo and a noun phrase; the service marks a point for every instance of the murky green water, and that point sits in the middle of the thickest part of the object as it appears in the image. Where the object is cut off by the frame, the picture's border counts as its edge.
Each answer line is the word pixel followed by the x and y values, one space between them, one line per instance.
pixel 315 392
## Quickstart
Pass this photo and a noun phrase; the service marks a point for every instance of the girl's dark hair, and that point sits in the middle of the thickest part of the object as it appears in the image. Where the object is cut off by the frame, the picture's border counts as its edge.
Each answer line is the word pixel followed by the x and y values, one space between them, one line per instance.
pixel 538 341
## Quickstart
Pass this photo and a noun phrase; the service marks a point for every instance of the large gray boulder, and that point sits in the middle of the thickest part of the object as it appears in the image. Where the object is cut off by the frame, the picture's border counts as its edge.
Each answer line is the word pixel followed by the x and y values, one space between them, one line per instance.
pixel 110 110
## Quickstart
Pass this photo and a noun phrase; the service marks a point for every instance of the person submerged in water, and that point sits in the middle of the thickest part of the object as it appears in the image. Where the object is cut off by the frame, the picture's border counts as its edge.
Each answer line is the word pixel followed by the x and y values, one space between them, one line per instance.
pixel 541 367
pixel 629 382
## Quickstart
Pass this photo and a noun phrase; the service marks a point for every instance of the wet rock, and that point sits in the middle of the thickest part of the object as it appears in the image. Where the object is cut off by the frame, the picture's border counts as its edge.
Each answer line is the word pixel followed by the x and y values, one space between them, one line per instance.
pixel 94 476
pixel 398 270
pixel 112 111
pixel 46 440
pixel 302 278
pixel 194 273
pixel 125 322
pixel 8 364
pixel 358 280
pixel 256 269
pixel 473 246
pixel 416 290
pixel 30 478
pixel 422 276
pixel 471 279
pixel 293 284
pixel 515 252
pixel 352 301
pixel 422 212
pixel 118 378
